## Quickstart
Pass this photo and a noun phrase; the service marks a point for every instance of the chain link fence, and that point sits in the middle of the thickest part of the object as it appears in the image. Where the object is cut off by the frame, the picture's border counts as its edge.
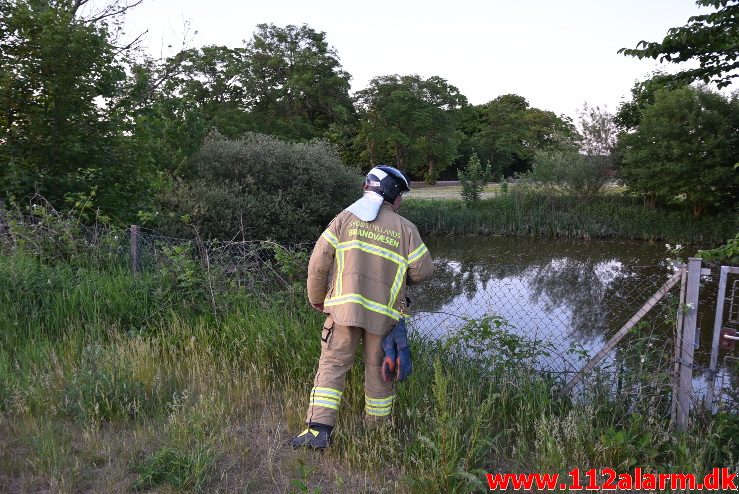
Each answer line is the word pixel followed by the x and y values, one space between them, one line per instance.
pixel 553 316
pixel 558 316
pixel 255 266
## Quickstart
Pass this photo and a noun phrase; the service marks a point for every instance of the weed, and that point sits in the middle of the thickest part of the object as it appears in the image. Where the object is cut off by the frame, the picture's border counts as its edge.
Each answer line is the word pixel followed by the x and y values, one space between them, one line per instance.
pixel 301 484
pixel 182 469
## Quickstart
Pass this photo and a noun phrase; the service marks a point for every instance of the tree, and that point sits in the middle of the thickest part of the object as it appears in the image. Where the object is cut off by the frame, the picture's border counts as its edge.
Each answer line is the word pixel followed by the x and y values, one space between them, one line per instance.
pixel 412 120
pixel 473 179
pixel 685 149
pixel 60 75
pixel 294 83
pixel 286 82
pixel 176 102
pixel 585 170
pixel 711 39
pixel 629 113
pixel 508 132
pixel 598 131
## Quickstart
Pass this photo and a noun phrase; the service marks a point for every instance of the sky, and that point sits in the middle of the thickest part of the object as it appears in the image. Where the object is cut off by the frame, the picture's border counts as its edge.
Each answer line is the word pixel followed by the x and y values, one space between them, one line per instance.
pixel 558 54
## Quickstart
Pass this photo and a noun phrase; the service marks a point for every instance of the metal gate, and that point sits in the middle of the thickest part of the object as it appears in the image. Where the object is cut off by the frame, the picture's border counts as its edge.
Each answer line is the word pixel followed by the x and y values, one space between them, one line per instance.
pixel 723 387
pixel 722 392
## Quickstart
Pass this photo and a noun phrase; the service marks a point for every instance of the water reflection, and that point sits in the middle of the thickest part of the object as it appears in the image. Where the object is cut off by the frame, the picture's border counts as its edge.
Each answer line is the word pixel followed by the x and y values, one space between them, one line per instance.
pixel 568 294
pixel 562 292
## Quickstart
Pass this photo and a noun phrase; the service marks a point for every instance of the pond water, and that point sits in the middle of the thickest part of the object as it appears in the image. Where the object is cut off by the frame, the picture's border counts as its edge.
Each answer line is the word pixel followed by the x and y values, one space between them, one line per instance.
pixel 565 294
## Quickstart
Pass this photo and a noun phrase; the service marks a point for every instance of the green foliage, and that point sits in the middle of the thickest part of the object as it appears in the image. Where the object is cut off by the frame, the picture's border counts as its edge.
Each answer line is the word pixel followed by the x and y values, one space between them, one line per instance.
pixel 457 440
pixel 301 485
pixel 119 129
pixel 178 101
pixel 629 113
pixel 295 82
pixel 598 132
pixel 194 381
pixel 102 389
pixel 473 179
pixel 62 133
pixel 584 172
pixel 182 469
pixel 508 132
pixel 410 121
pixel 685 149
pixel 728 252
pixel 42 231
pixel 293 265
pixel 710 39
pixel 286 82
pixel 490 343
pixel 488 340
pixel 583 176
pixel 526 212
pixel 260 187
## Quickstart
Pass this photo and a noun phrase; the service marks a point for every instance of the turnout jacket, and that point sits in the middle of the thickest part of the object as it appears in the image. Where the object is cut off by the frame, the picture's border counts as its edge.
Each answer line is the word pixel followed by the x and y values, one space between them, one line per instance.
pixel 360 270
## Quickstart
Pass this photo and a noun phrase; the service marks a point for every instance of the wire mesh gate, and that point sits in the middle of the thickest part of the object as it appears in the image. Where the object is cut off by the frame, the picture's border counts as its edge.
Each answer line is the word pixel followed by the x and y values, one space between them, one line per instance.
pixel 723 387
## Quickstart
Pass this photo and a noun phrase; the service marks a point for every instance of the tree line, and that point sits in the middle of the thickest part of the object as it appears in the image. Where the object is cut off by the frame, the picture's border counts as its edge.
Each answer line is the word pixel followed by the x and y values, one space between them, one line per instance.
pixel 87 116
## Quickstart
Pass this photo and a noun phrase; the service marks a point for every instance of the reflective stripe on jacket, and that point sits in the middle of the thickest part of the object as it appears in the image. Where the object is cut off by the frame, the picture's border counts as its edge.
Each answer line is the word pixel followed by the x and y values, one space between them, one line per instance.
pixel 370 264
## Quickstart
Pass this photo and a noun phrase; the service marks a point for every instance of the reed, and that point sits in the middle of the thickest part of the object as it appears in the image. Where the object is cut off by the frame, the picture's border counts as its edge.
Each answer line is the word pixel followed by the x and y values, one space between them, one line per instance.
pixel 528 212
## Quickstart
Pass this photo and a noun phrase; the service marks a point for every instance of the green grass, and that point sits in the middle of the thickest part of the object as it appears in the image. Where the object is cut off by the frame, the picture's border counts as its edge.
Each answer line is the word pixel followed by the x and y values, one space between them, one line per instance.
pixel 109 388
pixel 452 192
pixel 531 213
pixel 182 469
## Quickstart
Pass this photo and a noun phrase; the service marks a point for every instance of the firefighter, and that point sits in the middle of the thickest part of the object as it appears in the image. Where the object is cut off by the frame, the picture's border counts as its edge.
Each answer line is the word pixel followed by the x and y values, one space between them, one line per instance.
pixel 357 274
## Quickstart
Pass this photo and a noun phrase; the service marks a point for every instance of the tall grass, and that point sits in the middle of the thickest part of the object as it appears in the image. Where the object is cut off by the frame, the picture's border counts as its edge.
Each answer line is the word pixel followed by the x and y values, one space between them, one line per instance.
pixel 105 389
pixel 527 212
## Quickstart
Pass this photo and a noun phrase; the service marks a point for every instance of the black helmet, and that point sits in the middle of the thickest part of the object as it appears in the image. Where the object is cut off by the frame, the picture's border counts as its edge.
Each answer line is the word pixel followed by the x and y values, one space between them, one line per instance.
pixel 387 181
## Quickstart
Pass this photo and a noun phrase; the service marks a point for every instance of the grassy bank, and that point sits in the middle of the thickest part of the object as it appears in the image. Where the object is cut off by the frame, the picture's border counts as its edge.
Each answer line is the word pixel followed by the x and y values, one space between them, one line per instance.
pixel 530 213
pixel 110 384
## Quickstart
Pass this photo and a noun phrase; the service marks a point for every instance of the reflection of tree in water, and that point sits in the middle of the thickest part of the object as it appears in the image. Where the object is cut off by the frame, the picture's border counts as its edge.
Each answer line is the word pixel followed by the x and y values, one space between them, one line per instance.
pixel 444 286
pixel 575 291
pixel 593 282
pixel 576 285
pixel 599 294
pixel 453 278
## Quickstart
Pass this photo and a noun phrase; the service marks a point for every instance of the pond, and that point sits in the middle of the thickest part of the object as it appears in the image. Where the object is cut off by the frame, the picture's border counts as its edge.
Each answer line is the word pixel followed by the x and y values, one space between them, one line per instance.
pixel 565 294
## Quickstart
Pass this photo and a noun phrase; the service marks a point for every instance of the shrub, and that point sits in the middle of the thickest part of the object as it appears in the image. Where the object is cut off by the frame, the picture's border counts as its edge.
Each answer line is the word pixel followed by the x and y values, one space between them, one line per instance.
pixel 727 253
pixel 582 175
pixel 473 178
pixel 260 187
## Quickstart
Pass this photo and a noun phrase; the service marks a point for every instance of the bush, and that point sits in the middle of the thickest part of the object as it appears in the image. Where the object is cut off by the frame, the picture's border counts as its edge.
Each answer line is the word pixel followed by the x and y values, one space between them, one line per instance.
pixel 473 179
pixel 582 175
pixel 260 187
pixel 727 253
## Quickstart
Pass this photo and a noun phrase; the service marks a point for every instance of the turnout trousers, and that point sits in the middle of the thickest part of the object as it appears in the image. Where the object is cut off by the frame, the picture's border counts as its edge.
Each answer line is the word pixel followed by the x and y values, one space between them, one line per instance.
pixel 338 347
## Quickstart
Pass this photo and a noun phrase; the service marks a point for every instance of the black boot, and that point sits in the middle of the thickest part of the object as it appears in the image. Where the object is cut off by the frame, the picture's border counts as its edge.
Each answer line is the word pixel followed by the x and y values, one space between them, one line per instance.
pixel 316 436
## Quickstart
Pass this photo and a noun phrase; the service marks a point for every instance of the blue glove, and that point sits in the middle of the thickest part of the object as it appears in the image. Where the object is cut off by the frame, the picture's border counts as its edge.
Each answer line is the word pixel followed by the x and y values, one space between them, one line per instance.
pixel 397 354
pixel 403 362
pixel 391 356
